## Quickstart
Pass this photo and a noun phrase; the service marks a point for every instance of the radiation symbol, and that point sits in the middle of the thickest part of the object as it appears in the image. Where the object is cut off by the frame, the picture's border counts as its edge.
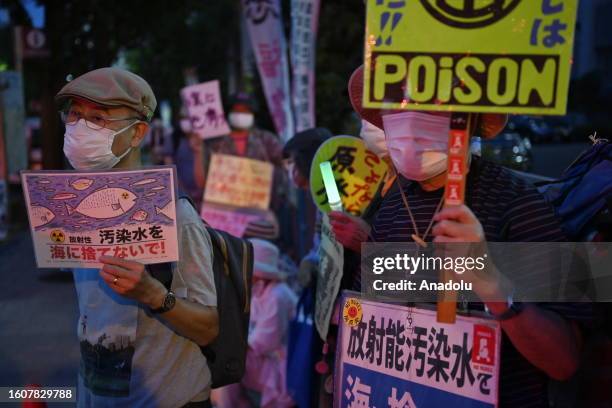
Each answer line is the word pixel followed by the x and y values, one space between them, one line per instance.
pixel 352 312
pixel 57 236
pixel 464 14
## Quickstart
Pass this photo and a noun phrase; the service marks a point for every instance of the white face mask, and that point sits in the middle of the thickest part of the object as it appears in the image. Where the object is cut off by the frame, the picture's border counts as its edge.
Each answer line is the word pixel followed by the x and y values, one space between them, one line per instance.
pixel 241 120
pixel 89 149
pixel 374 138
pixel 417 143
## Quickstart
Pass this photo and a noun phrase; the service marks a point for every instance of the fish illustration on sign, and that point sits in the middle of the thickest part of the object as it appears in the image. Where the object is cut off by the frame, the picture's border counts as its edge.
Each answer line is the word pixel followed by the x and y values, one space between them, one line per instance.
pixel 143 182
pixel 44 181
pixel 105 203
pixel 158 188
pixel 81 184
pixel 41 216
pixel 63 196
pixel 167 210
pixel 140 215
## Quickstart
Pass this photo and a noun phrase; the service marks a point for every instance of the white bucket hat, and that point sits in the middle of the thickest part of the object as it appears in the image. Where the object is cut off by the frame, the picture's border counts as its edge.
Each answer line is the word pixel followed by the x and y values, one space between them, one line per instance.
pixel 266 256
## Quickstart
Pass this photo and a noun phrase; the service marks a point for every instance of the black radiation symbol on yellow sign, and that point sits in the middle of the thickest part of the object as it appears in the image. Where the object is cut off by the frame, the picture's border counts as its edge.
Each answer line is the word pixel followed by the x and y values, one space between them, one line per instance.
pixel 469 13
pixel 57 236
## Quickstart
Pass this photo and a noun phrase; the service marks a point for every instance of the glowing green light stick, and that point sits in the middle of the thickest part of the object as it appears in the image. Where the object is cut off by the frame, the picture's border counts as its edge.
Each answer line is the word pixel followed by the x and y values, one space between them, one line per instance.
pixel 333 196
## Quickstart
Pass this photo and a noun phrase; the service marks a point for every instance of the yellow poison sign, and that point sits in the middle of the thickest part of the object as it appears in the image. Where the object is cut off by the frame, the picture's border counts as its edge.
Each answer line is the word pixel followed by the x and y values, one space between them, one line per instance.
pixel 506 56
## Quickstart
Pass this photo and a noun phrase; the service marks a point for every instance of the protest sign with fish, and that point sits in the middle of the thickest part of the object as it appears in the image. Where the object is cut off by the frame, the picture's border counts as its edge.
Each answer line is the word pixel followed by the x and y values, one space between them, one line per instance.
pixel 77 217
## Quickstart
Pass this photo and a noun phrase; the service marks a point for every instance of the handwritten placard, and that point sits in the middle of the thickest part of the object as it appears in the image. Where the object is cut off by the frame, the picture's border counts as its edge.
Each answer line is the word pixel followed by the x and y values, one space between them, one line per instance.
pixel 205 109
pixel 239 182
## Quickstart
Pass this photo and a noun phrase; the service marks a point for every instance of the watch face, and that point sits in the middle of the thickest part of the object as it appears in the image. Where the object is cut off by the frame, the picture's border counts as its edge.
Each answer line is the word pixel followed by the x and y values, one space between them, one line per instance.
pixel 169 301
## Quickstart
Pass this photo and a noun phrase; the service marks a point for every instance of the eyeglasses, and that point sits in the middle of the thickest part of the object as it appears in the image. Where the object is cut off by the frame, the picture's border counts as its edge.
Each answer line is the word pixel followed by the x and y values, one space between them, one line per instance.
pixel 93 121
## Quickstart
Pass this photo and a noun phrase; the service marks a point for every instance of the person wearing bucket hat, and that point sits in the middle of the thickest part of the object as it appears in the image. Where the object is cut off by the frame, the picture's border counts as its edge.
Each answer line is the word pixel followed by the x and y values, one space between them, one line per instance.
pixel 501 206
pixel 150 335
pixel 272 307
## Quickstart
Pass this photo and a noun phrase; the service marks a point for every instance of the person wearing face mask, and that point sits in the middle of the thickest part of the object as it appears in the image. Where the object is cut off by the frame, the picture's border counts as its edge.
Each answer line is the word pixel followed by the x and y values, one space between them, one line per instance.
pixel 500 207
pixel 246 140
pixel 140 343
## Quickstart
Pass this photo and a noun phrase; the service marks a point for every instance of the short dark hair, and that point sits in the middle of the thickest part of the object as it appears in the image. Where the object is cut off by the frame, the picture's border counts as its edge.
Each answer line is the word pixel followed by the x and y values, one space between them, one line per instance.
pixel 304 145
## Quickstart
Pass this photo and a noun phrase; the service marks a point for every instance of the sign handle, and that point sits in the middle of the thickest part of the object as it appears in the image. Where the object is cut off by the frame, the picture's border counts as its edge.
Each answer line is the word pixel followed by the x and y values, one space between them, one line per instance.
pixel 454 194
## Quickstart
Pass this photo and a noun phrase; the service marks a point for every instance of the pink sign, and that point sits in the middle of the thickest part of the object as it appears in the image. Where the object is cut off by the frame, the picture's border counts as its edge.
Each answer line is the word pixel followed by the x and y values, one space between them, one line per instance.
pixel 232 221
pixel 203 102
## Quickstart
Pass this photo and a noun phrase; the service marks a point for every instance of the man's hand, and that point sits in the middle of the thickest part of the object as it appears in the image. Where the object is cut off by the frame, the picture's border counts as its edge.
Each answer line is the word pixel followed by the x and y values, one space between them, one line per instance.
pixel 457 224
pixel 130 279
pixel 349 230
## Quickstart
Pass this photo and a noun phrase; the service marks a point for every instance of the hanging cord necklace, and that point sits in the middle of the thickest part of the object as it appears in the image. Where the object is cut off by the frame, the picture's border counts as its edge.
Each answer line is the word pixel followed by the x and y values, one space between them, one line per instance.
pixel 415 237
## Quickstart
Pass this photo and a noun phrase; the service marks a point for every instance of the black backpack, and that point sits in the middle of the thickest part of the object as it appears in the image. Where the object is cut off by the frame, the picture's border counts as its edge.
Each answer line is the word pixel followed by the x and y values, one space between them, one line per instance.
pixel 233 270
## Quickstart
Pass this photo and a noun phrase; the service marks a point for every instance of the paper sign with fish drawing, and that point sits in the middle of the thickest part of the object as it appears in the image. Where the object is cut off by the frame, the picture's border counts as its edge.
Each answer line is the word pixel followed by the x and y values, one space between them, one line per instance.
pixel 77 217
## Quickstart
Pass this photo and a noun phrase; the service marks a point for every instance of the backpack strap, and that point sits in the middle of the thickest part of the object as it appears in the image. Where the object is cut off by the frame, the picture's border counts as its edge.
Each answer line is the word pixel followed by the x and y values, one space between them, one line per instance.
pixel 163 271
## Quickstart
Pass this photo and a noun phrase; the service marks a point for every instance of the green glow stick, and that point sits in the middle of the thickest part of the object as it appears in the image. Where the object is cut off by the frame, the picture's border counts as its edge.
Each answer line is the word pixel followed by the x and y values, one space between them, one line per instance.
pixel 333 196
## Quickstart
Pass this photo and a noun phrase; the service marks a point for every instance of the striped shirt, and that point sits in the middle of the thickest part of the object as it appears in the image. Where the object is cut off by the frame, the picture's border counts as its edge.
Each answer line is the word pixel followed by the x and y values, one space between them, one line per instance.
pixel 510 210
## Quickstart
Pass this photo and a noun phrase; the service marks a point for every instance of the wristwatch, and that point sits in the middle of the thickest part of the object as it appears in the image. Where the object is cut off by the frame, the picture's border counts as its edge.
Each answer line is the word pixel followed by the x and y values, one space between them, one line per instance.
pixel 513 309
pixel 167 305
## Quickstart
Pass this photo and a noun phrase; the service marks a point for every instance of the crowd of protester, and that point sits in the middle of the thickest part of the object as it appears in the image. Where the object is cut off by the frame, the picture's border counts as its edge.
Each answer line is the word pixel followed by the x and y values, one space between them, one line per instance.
pixel 168 369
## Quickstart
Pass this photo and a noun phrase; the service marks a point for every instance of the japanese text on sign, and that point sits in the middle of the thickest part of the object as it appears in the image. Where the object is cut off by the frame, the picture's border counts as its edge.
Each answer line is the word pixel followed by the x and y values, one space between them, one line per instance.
pixel 398 353
pixel 77 217
pixel 203 102
pixel 519 59
pixel 358 173
pixel 238 182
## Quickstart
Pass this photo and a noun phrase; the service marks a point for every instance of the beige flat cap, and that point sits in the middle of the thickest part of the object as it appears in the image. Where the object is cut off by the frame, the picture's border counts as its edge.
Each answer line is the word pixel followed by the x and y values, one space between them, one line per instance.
pixel 111 87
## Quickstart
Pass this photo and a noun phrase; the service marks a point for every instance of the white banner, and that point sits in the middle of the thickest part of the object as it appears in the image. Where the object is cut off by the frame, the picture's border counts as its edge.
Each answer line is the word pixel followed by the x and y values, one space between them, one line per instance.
pixel 331 264
pixel 264 25
pixel 304 24
pixel 398 356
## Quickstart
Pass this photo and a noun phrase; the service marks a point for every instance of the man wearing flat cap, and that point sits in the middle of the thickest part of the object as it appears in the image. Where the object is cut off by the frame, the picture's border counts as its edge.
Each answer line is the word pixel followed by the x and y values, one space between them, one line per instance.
pixel 140 343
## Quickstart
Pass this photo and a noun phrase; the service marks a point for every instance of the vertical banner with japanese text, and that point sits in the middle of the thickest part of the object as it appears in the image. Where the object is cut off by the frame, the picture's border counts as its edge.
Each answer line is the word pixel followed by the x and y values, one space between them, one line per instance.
pixel 265 28
pixel 76 217
pixel 397 356
pixel 304 25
